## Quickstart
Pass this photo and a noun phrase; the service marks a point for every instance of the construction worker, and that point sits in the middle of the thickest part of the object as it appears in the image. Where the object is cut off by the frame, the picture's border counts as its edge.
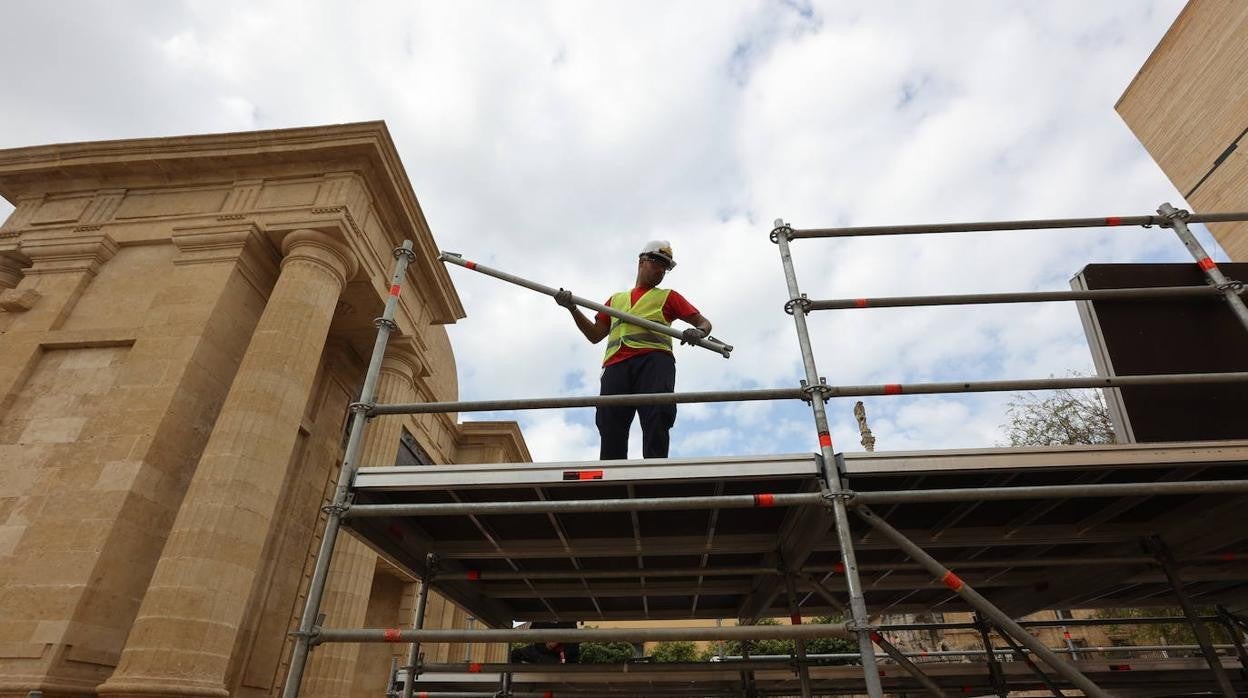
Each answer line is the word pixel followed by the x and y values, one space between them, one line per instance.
pixel 638 360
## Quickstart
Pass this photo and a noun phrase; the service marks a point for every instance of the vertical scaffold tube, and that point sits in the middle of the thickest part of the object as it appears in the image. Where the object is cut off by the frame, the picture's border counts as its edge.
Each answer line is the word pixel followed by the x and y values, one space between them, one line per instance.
pixel 333 519
pixel 1159 550
pixel 1178 220
pixel 799 645
pixel 976 601
pixel 418 623
pixel 857 604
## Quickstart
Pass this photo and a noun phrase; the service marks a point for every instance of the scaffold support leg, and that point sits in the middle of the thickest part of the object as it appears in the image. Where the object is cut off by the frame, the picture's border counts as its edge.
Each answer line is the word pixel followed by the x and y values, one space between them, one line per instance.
pixel 1035 668
pixel 831 471
pixel 1161 551
pixel 340 503
pixel 799 645
pixel 418 623
pixel 1236 633
pixel 995 615
pixel 995 675
pixel 889 648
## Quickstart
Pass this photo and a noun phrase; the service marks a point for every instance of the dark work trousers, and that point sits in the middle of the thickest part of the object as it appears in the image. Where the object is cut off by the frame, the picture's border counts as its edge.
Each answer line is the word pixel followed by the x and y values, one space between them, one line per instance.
pixel 652 372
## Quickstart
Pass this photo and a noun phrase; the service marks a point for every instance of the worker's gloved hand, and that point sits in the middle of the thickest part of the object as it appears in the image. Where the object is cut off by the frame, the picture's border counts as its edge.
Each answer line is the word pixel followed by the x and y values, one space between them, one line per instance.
pixel 691 335
pixel 564 299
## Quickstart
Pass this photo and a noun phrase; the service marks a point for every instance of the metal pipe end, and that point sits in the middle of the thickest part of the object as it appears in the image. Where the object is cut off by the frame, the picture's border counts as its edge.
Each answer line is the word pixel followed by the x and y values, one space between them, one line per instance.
pixel 443 255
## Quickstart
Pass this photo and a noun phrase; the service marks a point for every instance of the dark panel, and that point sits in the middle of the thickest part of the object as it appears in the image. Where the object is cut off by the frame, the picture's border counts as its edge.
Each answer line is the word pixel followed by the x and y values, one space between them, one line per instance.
pixel 1174 336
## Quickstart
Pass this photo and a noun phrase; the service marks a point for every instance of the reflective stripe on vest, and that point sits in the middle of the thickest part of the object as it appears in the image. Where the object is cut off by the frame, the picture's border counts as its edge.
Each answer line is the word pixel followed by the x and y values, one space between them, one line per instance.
pixel 650 307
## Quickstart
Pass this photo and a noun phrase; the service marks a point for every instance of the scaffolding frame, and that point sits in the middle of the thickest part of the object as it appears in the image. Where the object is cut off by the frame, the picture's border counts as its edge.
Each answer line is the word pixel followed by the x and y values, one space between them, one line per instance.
pixel 832 494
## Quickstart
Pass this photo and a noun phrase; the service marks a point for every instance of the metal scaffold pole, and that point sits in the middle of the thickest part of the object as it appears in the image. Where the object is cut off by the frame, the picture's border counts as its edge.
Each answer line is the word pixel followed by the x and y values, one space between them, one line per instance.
pixel 711 343
pixel 1159 549
pixel 1177 219
pixel 799 646
pixel 1026 659
pixel 995 615
pixel 832 477
pixel 305 635
pixel 418 623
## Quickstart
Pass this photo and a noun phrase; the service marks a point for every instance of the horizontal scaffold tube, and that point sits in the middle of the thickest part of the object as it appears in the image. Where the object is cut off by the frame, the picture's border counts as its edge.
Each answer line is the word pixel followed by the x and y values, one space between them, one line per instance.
pixel 734 501
pixel 1124 489
pixel 733 571
pixel 727 632
pixel 1105 294
pixel 1039 224
pixel 1071 622
pixel 798 393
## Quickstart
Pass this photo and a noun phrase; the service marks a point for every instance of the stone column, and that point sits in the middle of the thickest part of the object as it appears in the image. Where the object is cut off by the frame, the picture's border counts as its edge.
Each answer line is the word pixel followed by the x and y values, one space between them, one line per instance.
pixel 331 670
pixel 187 627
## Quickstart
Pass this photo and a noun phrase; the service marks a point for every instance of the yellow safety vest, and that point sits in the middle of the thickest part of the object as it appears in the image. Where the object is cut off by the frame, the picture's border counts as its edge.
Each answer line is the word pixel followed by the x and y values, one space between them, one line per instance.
pixel 650 307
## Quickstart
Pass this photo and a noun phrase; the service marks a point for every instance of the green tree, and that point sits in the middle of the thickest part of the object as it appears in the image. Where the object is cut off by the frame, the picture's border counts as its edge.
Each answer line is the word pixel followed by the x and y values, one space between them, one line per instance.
pixel 1062 417
pixel 606 652
pixel 675 651
pixel 819 645
pixel 1179 633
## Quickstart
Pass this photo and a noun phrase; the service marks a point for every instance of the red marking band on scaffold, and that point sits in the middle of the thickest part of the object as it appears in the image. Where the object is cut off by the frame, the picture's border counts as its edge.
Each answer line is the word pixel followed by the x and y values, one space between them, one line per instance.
pixel 1066 636
pixel 825 439
pixel 1113 220
pixel 395 530
pixel 952 581
pixel 1206 264
pixel 892 389
pixel 470 265
pixel 474 668
pixel 1228 557
pixel 394 290
pixel 473 575
pixel 548 694
pixel 390 634
pixel 795 618
pixel 876 637
pixel 423 694
pixel 1120 667
pixel 838 568
pixel 860 302
pixel 764 500
pixel 582 475
pixel 882 674
pixel 966 689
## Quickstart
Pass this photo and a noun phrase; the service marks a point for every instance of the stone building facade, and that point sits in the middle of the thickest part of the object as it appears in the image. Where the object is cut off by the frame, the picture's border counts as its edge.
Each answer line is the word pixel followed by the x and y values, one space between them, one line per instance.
pixel 183 324
pixel 1188 106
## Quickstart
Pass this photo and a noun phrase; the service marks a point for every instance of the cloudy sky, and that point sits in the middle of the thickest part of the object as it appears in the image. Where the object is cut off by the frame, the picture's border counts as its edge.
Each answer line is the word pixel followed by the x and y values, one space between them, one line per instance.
pixel 552 139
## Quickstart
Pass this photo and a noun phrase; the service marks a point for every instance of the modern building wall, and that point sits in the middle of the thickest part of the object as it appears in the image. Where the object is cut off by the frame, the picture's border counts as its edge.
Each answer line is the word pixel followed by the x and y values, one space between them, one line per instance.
pixel 183 324
pixel 1188 106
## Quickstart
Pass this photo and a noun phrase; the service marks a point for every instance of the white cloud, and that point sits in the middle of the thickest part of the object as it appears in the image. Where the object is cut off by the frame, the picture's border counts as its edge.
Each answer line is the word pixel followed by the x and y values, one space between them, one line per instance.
pixel 552 139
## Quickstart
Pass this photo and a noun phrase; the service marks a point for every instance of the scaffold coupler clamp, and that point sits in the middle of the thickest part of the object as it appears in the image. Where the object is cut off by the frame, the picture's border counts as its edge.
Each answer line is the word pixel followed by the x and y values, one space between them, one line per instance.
pixel 336 509
pixel 846 496
pixel 1168 219
pixel 781 228
pixel 313 636
pixel 1232 285
pixel 388 324
pixel 824 390
pixel 801 301
pixel 404 252
pixel 365 407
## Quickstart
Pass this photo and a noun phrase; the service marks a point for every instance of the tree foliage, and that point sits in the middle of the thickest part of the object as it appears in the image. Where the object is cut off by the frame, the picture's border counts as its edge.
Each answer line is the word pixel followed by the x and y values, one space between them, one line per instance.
pixel 606 652
pixel 819 645
pixel 675 651
pixel 1062 417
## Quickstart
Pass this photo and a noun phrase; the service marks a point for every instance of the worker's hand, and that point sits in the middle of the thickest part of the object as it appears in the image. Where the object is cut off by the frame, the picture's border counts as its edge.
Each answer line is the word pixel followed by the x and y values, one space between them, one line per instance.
pixel 564 299
pixel 691 335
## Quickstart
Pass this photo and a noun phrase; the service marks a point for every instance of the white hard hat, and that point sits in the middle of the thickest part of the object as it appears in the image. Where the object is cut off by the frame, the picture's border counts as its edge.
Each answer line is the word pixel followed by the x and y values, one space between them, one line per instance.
pixel 662 249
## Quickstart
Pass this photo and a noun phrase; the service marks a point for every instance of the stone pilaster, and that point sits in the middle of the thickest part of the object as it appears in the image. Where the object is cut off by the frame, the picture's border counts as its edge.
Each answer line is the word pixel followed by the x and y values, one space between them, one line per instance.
pixel 331 671
pixel 61 267
pixel 187 627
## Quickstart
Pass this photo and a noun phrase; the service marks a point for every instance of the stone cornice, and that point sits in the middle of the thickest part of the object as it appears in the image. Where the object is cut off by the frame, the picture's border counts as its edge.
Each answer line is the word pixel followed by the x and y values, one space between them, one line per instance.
pixel 60 253
pixel 363 148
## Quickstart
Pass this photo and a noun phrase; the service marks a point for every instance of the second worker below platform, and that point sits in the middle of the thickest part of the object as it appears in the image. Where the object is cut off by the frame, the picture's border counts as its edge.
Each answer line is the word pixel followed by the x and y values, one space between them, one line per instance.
pixel 639 360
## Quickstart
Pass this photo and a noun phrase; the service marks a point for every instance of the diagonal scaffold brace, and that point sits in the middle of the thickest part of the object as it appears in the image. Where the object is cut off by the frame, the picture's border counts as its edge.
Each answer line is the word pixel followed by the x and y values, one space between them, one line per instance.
pixel 724 350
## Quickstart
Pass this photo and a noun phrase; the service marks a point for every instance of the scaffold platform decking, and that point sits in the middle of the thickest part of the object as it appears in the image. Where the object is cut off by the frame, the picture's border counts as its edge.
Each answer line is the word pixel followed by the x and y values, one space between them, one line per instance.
pixel 1025 553
pixel 1134 678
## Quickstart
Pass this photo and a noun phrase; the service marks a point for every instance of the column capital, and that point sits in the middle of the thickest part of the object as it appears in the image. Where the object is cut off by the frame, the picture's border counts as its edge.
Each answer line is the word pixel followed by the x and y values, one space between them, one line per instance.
pixel 403 362
pixel 322 250
pixel 11 266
